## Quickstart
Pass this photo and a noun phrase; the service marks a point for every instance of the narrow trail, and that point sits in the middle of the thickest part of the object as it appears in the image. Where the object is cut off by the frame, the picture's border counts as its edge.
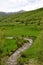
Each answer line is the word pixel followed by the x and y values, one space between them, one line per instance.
pixel 13 58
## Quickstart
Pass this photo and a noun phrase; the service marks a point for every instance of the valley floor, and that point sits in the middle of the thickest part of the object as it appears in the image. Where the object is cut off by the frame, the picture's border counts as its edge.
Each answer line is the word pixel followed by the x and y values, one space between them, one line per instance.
pixel 13 58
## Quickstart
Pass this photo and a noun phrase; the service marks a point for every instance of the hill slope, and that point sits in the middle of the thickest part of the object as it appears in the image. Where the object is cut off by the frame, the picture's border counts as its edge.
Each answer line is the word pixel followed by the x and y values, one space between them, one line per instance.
pixel 34 15
pixel 25 24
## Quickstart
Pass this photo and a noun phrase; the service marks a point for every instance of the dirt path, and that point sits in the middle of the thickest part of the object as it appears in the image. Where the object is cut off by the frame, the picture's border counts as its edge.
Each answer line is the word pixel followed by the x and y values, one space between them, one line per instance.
pixel 13 58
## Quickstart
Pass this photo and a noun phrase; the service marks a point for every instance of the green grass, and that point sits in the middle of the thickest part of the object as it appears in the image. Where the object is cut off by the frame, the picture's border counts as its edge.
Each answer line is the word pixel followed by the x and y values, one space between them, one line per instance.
pixel 15 25
pixel 36 50
pixel 8 46
pixel 19 30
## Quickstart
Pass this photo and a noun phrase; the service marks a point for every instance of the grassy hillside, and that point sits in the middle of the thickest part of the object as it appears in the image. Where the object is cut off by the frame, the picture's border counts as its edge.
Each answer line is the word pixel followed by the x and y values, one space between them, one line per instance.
pixel 22 24
pixel 32 16
pixel 34 53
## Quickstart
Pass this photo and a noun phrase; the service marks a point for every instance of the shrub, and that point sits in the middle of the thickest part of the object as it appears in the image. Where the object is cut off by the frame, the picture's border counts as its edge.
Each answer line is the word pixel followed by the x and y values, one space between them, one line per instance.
pixel 40 57
pixel 23 55
pixel 22 21
pixel 20 61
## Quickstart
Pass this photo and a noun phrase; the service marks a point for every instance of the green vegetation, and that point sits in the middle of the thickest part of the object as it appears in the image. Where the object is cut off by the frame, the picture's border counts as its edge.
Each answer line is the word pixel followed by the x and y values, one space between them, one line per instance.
pixel 32 17
pixel 7 43
pixel 28 24
pixel 35 51
pixel 1 45
pixel 20 29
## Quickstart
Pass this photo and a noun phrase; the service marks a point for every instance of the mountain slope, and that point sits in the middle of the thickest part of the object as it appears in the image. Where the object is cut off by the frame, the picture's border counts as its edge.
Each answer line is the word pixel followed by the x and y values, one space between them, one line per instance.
pixel 10 13
pixel 2 13
pixel 29 16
